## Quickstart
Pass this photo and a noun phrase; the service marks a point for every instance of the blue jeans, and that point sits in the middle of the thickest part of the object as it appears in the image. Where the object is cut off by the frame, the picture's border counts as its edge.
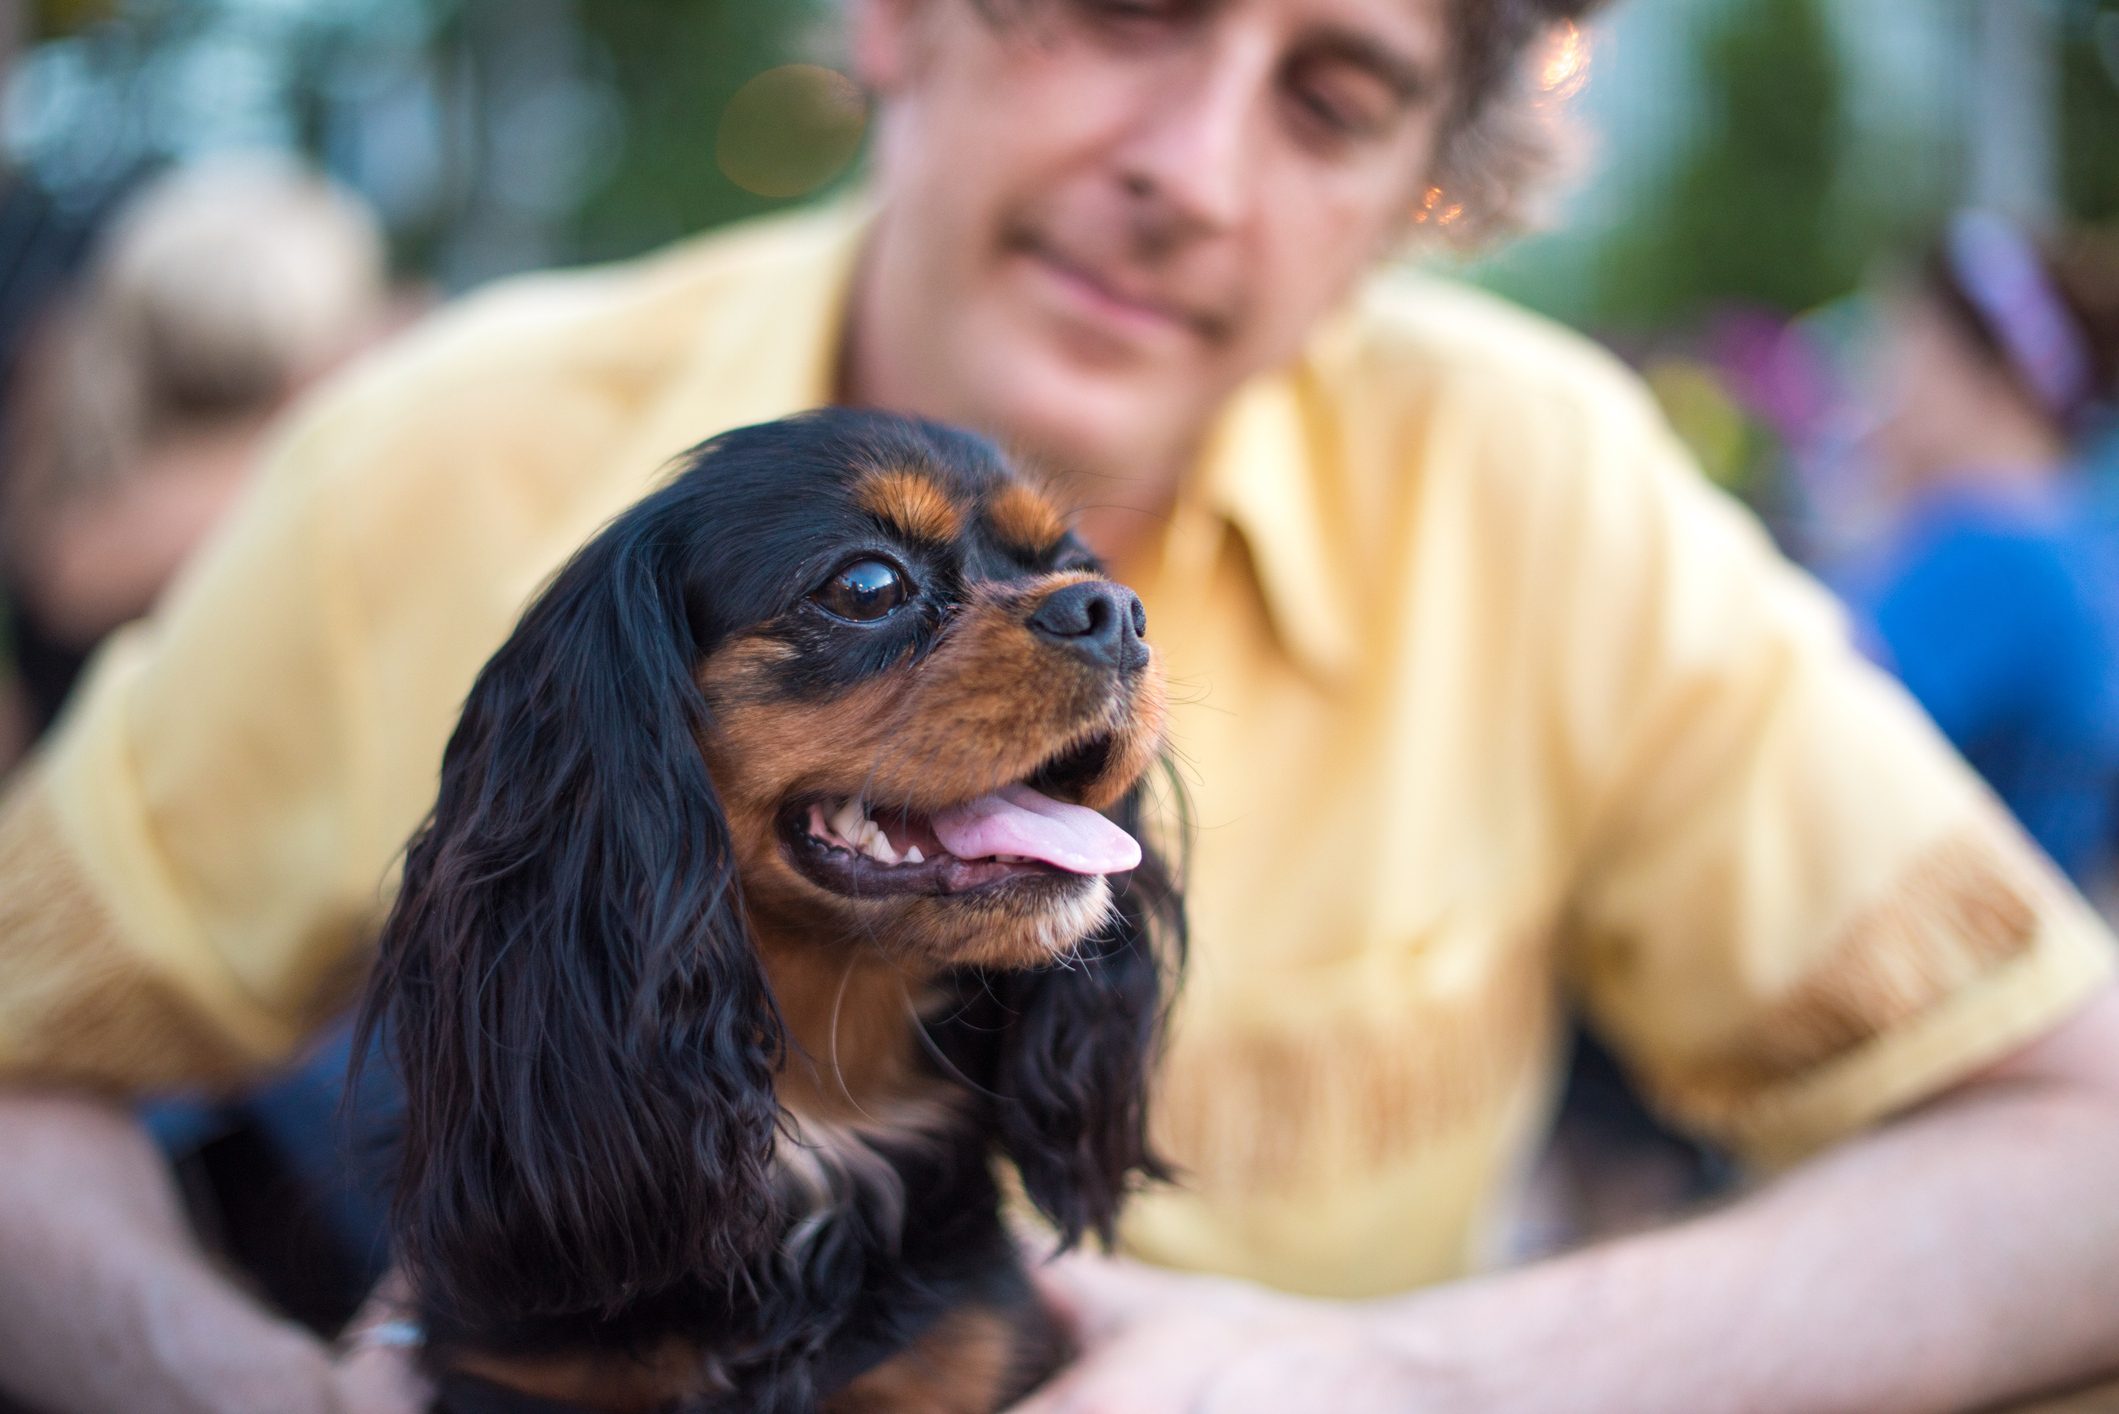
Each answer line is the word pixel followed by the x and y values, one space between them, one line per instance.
pixel 288 1181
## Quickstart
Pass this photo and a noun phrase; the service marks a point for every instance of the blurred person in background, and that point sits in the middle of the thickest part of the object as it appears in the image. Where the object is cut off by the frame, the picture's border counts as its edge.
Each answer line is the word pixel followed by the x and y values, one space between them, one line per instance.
pixel 1494 699
pixel 216 295
pixel 1995 597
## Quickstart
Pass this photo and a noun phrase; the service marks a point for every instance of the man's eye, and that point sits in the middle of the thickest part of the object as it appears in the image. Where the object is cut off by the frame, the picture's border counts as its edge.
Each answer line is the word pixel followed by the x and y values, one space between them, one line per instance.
pixel 1329 114
pixel 1343 105
pixel 864 591
pixel 1133 12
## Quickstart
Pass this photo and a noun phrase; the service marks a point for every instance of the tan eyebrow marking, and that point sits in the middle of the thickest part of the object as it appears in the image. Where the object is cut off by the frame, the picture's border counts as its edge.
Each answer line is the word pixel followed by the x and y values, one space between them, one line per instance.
pixel 1023 519
pixel 912 503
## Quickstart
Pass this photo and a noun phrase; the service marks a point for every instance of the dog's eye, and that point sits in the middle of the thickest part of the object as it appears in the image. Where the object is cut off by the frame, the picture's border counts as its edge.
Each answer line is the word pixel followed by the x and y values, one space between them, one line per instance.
pixel 864 591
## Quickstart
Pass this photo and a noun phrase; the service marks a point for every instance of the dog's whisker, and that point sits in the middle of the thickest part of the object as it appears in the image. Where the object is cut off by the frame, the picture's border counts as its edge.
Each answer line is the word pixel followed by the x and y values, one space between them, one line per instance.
pixel 838 1073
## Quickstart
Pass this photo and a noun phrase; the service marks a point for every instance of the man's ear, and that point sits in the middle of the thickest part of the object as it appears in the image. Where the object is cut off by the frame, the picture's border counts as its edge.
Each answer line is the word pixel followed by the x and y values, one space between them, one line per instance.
pixel 884 37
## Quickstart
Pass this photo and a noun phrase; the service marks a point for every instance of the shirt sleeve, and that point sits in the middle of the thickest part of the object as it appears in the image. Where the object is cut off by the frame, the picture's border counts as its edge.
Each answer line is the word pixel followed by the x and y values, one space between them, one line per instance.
pixel 193 869
pixel 181 882
pixel 1797 911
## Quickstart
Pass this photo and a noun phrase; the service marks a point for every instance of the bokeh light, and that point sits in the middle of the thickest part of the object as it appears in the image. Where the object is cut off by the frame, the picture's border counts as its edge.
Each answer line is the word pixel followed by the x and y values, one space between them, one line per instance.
pixel 791 130
pixel 1566 68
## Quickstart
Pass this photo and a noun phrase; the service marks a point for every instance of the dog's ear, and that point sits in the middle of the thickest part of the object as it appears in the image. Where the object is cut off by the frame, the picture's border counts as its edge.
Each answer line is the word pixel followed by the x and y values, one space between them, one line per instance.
pixel 1067 1053
pixel 585 1036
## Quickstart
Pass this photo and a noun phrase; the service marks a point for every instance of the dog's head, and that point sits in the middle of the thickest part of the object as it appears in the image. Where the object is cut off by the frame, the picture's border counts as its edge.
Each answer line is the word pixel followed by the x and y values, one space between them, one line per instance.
pixel 919 691
pixel 845 678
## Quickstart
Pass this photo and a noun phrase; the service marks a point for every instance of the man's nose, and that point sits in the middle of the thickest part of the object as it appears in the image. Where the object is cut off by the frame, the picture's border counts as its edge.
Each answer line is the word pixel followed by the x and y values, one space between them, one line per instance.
pixel 1196 145
pixel 1098 621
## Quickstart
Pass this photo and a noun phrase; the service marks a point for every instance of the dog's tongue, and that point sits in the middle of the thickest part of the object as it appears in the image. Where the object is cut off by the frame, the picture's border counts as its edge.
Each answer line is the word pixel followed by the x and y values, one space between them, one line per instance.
pixel 1019 820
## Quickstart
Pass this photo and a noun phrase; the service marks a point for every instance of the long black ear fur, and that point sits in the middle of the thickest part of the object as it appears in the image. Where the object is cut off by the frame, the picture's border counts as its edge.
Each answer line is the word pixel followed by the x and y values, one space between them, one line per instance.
pixel 1065 1054
pixel 586 1039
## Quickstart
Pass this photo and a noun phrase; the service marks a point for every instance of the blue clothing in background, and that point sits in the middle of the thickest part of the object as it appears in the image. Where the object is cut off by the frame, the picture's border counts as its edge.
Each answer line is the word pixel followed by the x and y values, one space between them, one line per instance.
pixel 1998 607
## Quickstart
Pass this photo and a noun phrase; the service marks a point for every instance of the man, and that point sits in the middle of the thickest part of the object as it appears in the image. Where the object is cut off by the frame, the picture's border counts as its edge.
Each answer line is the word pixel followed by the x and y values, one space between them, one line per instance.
pixel 1485 691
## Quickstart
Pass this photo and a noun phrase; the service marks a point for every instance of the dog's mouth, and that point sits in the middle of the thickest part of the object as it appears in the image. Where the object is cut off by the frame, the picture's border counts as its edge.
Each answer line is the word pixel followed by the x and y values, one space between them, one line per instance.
pixel 1028 830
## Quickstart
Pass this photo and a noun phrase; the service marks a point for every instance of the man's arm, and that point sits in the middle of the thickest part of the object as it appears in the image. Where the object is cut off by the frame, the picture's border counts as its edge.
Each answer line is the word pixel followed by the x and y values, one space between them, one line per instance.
pixel 1966 1254
pixel 176 905
pixel 1962 1256
pixel 109 1304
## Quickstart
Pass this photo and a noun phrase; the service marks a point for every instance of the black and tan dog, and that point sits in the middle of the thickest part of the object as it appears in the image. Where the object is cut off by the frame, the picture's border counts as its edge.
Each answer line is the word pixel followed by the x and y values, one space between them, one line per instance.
pixel 783 879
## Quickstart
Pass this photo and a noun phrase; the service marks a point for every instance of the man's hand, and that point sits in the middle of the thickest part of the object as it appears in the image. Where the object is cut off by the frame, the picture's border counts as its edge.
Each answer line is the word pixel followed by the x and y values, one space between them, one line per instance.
pixel 1156 1342
pixel 378 1375
pixel 380 1380
pixel 106 1302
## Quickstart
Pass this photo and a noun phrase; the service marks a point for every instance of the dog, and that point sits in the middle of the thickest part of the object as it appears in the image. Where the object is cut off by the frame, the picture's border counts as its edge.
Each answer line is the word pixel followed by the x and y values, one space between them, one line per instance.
pixel 787 872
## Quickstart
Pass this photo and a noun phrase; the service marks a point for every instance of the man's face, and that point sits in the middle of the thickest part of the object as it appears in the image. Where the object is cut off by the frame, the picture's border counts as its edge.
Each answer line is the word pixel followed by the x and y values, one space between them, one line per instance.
pixel 1102 215
pixel 1936 392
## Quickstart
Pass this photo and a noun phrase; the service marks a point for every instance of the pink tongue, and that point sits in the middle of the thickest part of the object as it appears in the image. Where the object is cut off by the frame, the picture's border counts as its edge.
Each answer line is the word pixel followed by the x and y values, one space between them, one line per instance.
pixel 1018 820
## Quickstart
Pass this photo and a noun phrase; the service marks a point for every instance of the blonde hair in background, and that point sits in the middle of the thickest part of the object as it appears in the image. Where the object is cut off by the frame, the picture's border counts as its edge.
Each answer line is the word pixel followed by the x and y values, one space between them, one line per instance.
pixel 216 291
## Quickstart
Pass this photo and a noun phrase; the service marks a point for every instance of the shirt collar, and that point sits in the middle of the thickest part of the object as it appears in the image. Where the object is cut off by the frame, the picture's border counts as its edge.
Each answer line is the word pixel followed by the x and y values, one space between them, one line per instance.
pixel 1264 473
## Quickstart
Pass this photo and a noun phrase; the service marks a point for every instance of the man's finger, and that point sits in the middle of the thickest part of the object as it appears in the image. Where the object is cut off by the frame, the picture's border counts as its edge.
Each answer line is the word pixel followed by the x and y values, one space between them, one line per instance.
pixel 382 1380
pixel 1098 1297
pixel 1159 1369
pixel 379 1372
pixel 389 1300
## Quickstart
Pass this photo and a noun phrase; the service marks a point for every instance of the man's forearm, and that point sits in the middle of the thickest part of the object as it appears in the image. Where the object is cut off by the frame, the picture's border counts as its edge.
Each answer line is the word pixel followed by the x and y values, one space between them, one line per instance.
pixel 106 1303
pixel 1964 1256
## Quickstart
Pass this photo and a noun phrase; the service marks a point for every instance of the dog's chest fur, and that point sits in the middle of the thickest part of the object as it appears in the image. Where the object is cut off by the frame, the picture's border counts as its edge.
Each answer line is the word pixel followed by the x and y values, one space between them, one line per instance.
pixel 892 1285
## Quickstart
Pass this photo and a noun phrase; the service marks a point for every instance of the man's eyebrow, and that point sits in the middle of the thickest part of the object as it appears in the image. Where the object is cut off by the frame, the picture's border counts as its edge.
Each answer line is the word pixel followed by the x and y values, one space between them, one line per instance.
pixel 1411 78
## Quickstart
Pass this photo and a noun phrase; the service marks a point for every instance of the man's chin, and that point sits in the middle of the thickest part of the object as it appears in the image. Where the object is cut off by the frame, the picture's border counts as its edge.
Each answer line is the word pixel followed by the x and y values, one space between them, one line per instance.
pixel 1106 426
pixel 1041 388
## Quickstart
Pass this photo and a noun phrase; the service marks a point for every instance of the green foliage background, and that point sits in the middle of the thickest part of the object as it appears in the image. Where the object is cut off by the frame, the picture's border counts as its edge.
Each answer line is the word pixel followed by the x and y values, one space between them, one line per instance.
pixel 1749 214
pixel 675 65
pixel 2089 108
pixel 1755 208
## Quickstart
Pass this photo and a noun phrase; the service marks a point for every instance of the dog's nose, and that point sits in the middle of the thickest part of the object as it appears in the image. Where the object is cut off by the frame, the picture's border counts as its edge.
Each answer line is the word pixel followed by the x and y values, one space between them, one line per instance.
pixel 1100 621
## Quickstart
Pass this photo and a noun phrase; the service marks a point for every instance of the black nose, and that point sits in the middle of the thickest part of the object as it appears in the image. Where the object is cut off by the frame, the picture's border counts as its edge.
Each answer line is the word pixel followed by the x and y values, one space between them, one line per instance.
pixel 1100 621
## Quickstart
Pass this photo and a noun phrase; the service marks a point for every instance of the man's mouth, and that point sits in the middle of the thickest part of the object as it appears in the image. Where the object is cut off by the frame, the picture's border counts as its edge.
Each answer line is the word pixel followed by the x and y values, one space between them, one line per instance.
pixel 865 850
pixel 1118 301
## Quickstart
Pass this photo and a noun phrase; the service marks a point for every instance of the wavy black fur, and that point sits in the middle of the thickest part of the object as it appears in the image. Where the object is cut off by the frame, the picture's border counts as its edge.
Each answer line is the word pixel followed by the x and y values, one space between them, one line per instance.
pixel 1064 1053
pixel 584 1034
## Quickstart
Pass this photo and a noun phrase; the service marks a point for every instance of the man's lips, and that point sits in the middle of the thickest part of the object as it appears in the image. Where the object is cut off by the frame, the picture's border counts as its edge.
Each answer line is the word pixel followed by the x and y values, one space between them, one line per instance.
pixel 1119 303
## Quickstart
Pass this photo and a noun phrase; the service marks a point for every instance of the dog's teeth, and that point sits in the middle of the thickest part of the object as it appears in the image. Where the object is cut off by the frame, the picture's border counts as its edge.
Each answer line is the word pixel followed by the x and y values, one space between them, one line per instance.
pixel 847 820
pixel 875 844
pixel 913 855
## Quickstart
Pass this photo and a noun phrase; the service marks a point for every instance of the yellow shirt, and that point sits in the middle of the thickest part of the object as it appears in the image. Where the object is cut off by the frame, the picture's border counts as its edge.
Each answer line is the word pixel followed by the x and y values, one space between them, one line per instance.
pixel 1484 699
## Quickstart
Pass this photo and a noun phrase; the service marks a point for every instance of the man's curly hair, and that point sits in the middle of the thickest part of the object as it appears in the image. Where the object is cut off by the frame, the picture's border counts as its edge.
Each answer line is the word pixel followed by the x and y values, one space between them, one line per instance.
pixel 1501 146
